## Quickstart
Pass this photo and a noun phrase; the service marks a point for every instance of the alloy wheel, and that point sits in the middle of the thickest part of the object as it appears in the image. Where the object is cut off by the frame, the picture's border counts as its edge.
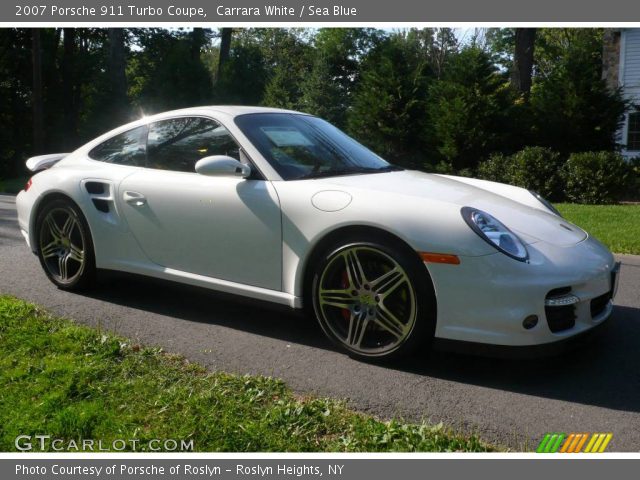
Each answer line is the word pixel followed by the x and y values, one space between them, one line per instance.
pixel 62 245
pixel 366 300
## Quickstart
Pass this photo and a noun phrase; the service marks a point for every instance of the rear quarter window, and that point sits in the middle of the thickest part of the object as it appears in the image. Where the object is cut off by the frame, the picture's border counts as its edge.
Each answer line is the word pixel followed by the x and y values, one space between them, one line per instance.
pixel 128 148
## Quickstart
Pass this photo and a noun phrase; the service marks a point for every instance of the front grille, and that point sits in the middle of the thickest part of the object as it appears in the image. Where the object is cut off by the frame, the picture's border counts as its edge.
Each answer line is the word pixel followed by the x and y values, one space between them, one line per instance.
pixel 599 304
pixel 560 318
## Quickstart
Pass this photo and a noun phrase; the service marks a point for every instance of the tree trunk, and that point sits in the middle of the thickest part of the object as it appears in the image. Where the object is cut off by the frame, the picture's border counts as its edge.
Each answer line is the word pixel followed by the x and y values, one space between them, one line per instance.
pixel 523 60
pixel 225 48
pixel 37 95
pixel 69 107
pixel 117 75
pixel 198 39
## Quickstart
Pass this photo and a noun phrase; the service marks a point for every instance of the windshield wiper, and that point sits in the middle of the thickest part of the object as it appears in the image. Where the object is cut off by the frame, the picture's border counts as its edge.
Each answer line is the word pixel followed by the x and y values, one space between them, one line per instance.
pixel 336 172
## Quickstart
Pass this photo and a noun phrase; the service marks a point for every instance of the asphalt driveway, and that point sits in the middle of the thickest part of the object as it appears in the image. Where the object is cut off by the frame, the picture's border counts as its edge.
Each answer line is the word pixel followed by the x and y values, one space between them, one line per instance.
pixel 509 402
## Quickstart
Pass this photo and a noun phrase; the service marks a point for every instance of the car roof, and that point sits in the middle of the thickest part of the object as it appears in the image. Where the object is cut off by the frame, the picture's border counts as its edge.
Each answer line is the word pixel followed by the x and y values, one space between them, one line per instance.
pixel 231 110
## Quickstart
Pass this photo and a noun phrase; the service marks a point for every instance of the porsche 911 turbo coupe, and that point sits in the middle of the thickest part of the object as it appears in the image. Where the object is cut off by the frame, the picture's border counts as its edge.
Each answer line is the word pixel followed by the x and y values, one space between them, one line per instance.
pixel 282 206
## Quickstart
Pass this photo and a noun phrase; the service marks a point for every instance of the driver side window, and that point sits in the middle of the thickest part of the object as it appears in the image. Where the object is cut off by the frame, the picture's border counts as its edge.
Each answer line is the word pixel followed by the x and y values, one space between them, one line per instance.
pixel 177 144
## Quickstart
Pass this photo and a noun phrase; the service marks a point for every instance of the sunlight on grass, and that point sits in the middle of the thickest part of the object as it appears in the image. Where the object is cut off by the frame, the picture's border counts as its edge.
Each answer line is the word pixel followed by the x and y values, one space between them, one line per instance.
pixel 74 382
pixel 617 226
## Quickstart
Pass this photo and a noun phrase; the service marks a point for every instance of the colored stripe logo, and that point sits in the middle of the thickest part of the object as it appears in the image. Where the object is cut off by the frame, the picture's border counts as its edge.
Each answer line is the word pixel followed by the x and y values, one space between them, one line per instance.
pixel 574 443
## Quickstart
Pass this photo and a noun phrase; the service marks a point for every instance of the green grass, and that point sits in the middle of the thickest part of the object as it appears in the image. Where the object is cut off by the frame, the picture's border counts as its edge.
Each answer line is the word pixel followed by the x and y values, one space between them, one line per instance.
pixel 617 226
pixel 73 382
pixel 12 185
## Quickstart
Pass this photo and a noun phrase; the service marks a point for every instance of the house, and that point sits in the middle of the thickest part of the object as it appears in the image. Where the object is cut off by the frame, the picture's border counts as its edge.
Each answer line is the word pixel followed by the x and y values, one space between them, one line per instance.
pixel 621 68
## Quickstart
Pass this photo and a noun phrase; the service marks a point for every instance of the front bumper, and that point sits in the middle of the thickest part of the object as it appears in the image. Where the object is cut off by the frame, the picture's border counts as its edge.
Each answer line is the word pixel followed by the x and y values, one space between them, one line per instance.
pixel 486 299
pixel 520 352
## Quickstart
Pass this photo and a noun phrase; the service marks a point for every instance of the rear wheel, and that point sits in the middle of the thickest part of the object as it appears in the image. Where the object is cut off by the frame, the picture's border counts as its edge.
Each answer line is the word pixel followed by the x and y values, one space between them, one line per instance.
pixel 374 300
pixel 64 244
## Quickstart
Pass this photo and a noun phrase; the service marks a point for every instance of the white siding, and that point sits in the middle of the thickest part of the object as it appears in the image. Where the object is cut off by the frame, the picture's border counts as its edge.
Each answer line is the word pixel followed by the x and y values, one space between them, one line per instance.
pixel 629 79
pixel 631 74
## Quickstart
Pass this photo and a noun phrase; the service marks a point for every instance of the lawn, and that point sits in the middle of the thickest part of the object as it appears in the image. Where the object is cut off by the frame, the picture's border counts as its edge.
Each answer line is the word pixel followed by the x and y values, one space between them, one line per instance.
pixel 74 382
pixel 617 226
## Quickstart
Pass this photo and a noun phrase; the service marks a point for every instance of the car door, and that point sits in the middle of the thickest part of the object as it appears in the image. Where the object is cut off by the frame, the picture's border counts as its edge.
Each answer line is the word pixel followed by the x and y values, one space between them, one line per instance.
pixel 223 227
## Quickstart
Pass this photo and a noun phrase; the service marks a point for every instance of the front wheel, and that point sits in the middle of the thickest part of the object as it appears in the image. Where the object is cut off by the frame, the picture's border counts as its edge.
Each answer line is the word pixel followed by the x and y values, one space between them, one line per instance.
pixel 374 300
pixel 65 248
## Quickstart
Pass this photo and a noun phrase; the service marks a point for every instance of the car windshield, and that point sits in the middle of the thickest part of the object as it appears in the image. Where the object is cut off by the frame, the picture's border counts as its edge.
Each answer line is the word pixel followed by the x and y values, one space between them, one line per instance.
pixel 301 146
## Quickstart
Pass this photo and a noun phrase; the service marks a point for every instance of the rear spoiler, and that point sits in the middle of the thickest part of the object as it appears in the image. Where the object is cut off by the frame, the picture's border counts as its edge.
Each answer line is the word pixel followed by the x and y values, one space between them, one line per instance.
pixel 42 162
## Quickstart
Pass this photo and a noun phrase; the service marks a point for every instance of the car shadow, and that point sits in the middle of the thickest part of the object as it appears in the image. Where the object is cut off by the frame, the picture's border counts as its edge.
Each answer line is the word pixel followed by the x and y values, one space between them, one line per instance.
pixel 603 372
pixel 207 306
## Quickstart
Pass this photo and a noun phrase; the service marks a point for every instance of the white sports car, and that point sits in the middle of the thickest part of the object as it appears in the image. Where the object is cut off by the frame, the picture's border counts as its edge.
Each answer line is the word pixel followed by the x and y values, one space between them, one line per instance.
pixel 282 206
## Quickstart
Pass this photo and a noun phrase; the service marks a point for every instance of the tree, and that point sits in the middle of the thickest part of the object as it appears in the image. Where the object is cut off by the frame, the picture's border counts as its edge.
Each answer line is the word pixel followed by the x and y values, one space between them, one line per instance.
pixel 521 75
pixel 573 109
pixel 322 95
pixel 388 108
pixel 225 47
pixel 16 72
pixel 69 99
pixel 117 75
pixel 468 111
pixel 37 95
pixel 168 72
pixel 336 70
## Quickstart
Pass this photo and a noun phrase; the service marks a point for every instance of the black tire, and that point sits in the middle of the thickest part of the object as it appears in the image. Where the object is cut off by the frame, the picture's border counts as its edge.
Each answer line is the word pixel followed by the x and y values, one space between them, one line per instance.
pixel 65 247
pixel 363 334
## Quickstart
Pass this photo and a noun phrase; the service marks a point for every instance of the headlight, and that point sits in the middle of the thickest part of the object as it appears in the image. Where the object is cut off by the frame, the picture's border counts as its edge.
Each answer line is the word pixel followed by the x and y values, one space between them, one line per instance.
pixel 495 233
pixel 545 203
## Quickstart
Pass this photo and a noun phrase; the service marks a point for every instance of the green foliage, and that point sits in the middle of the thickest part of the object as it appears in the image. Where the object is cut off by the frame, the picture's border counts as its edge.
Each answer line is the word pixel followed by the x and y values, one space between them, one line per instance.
pixel 597 177
pixel 336 71
pixel 168 72
pixel 415 96
pixel 322 94
pixel 539 169
pixel 534 168
pixel 75 382
pixel 497 168
pixel 468 110
pixel 387 112
pixel 572 108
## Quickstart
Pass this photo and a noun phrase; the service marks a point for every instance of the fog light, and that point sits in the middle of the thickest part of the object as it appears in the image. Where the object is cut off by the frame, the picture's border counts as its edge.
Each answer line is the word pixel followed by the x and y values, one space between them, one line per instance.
pixel 530 322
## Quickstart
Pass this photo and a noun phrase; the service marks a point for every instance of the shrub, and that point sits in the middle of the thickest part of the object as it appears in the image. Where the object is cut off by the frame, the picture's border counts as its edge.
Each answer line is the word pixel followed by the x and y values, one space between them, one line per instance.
pixel 597 177
pixel 633 192
pixel 497 168
pixel 539 169
pixel 534 168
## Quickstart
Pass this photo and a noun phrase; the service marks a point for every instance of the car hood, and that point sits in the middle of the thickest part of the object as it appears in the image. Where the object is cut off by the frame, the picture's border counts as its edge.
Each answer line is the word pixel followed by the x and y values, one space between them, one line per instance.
pixel 530 223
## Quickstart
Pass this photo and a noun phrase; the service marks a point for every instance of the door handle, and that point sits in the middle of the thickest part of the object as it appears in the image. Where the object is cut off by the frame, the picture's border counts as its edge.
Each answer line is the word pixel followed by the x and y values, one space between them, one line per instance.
pixel 134 198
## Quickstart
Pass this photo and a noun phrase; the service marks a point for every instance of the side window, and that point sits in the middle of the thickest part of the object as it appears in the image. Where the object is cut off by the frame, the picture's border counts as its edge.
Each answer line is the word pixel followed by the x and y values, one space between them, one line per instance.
pixel 633 132
pixel 177 144
pixel 128 148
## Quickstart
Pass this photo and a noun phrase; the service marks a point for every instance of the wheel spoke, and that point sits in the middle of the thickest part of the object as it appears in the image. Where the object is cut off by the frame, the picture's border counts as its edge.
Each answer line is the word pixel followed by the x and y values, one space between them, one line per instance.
pixel 67 228
pixel 354 269
pixel 62 266
pixel 387 320
pixel 53 227
pixel 337 298
pixel 50 250
pixel 387 283
pixel 357 326
pixel 76 253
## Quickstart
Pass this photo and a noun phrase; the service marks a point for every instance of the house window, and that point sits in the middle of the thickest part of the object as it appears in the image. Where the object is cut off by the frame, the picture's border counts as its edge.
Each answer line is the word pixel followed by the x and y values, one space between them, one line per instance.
pixel 633 135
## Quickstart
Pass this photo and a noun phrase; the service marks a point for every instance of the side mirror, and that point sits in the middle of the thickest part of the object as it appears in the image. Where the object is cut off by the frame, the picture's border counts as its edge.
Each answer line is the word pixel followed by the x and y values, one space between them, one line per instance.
pixel 222 165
